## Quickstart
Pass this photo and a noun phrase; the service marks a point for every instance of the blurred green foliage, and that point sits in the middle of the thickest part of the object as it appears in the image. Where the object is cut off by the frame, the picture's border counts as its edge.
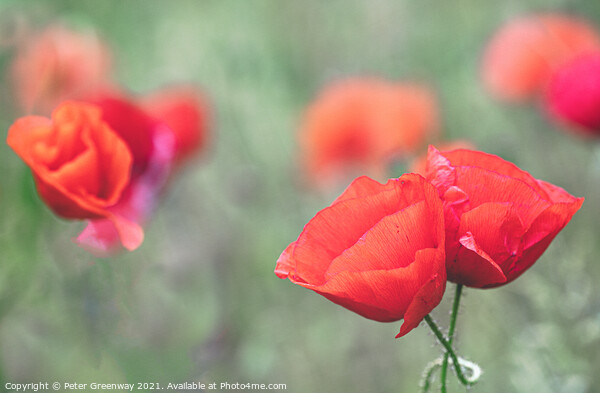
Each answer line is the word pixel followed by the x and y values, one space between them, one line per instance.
pixel 199 300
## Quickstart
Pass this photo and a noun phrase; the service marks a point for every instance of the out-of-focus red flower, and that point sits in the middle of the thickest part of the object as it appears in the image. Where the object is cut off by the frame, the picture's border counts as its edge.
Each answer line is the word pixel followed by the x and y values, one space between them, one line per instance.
pixel 499 219
pixel 523 54
pixel 363 124
pixel 55 65
pixel 161 132
pixel 152 146
pixel 134 125
pixel 573 96
pixel 81 166
pixel 185 110
pixel 378 250
pixel 419 164
pixel 82 147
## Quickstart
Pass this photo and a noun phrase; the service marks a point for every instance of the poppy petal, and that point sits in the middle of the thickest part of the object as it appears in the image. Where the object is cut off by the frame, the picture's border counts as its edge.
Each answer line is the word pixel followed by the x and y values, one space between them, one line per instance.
pixel 423 302
pixel 389 244
pixel 477 268
pixel 385 295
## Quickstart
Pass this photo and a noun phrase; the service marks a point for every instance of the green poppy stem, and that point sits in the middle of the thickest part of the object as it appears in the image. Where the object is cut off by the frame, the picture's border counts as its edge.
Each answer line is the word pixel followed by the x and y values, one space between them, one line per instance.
pixel 455 360
pixel 453 316
pixel 428 374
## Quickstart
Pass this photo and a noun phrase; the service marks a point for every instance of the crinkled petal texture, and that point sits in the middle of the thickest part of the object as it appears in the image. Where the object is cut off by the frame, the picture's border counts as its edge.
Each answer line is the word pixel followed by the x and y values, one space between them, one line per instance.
pixel 499 219
pixel 81 166
pixel 363 123
pixel 152 144
pixel 419 163
pixel 522 55
pixel 573 96
pixel 378 250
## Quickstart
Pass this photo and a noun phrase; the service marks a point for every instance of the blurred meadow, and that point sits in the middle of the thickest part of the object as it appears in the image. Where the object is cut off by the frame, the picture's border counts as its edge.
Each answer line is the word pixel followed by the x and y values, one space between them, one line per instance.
pixel 198 301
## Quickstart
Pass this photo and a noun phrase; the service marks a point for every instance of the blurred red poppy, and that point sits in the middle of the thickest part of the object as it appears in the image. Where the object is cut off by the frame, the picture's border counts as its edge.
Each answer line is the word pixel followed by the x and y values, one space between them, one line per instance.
pixel 152 147
pixel 55 65
pixel 161 132
pixel 573 96
pixel 81 166
pixel 158 132
pixel 499 219
pixel 522 55
pixel 146 140
pixel 363 124
pixel 186 112
pixel 378 250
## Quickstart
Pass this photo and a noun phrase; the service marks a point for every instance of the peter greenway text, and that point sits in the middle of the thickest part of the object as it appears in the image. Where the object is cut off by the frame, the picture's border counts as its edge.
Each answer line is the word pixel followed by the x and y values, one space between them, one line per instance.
pixel 145 386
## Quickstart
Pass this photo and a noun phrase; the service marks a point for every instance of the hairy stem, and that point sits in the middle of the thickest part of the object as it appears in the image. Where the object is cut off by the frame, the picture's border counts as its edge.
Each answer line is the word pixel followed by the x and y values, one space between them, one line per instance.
pixel 428 374
pixel 450 352
pixel 453 316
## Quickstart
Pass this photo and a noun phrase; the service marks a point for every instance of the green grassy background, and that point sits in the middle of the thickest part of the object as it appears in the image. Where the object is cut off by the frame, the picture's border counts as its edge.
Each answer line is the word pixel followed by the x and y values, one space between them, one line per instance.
pixel 199 300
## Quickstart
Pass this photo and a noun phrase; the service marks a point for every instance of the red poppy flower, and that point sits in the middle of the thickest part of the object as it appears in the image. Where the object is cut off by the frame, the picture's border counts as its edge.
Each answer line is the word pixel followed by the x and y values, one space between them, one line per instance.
pixel 161 132
pixel 573 96
pixel 499 219
pixel 185 111
pixel 364 124
pixel 152 145
pixel 378 250
pixel 56 65
pixel 81 166
pixel 523 54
